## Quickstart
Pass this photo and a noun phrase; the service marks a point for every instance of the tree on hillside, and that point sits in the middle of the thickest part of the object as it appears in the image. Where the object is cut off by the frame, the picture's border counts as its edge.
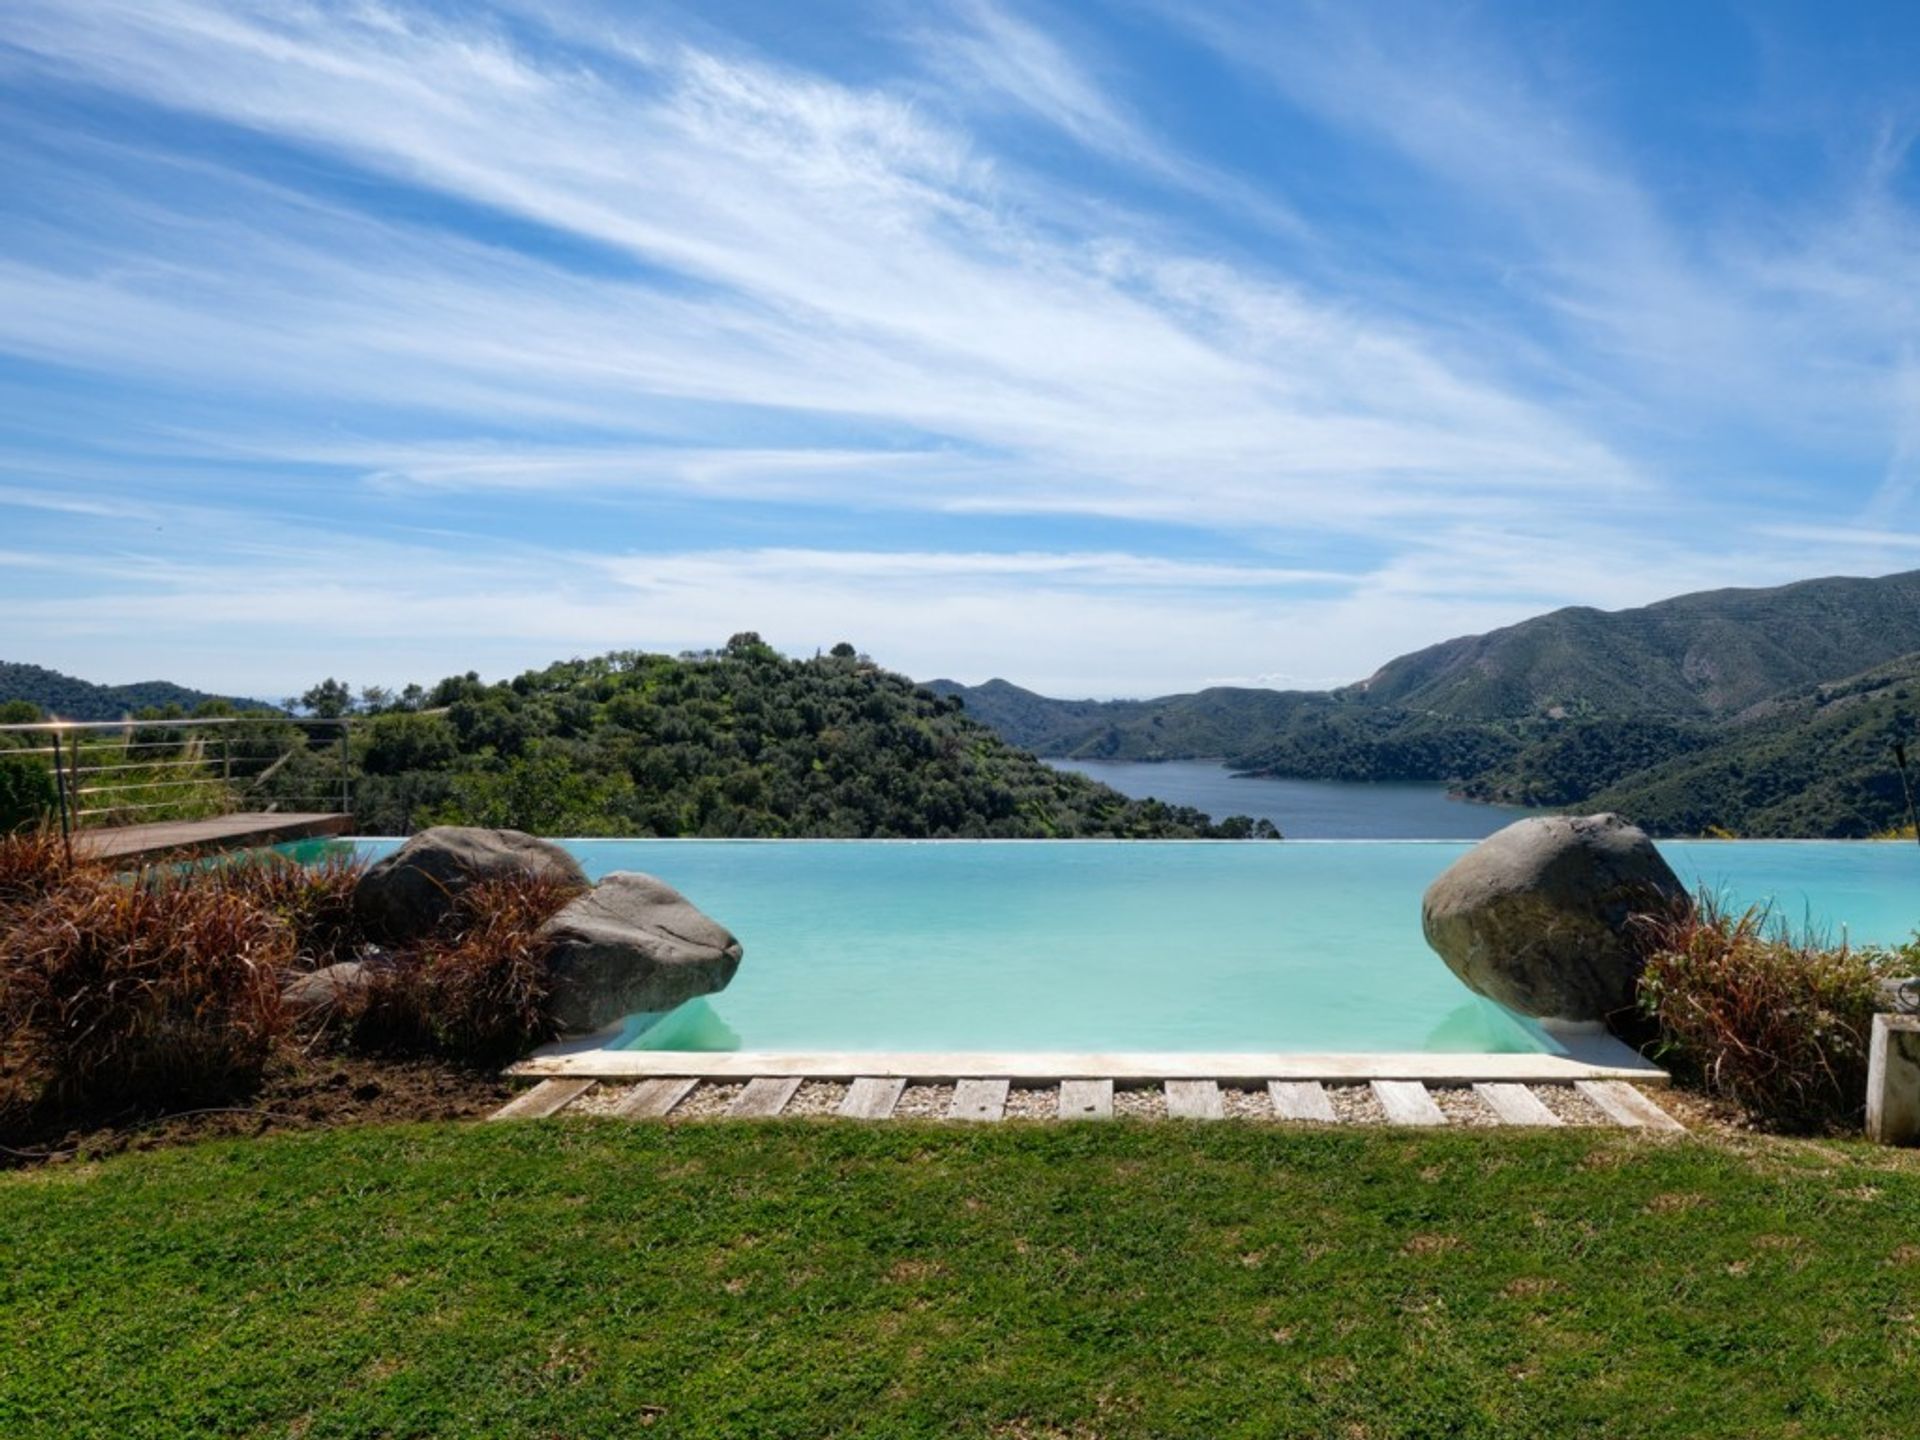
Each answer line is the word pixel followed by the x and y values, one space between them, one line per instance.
pixel 328 700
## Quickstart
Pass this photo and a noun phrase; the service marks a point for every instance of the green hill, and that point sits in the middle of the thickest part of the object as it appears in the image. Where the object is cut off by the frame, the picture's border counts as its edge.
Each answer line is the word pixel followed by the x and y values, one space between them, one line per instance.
pixel 737 742
pixel 1815 763
pixel 52 693
pixel 1700 712
pixel 1707 656
pixel 1217 723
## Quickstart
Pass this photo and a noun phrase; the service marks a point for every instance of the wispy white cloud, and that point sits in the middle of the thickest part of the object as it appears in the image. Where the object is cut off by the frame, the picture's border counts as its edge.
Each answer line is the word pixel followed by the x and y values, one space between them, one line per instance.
pixel 628 262
pixel 836 254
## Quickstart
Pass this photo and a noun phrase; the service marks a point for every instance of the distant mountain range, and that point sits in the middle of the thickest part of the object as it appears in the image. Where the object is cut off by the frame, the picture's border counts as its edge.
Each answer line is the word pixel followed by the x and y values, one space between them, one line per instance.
pixel 1761 712
pixel 71 699
pixel 1757 712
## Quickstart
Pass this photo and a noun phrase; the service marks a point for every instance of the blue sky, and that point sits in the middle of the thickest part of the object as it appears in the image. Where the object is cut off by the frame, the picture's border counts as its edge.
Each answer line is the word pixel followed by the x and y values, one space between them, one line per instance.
pixel 1114 349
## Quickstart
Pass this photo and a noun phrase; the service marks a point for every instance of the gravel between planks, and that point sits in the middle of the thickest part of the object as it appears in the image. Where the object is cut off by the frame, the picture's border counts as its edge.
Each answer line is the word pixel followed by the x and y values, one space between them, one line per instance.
pixel 1356 1105
pixel 1461 1106
pixel 1033 1102
pixel 816 1097
pixel 1141 1102
pixel 924 1102
pixel 1570 1105
pixel 1242 1104
pixel 708 1101
pixel 602 1099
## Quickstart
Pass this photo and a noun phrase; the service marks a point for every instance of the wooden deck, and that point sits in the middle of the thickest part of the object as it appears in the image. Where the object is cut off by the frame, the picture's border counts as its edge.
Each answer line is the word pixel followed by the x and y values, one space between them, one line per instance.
pixel 222 832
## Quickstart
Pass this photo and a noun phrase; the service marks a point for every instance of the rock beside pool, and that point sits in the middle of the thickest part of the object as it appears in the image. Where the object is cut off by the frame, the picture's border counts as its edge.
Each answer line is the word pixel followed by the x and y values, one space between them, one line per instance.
pixel 632 944
pixel 408 894
pixel 326 989
pixel 1536 916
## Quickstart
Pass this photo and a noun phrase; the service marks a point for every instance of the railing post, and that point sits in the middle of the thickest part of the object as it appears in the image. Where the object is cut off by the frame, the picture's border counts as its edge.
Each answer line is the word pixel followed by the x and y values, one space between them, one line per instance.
pixel 73 779
pixel 346 806
pixel 60 787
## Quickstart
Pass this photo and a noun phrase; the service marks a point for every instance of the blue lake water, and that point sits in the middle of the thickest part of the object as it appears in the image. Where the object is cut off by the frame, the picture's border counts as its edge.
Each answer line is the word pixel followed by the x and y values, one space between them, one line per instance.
pixel 1303 809
pixel 1143 945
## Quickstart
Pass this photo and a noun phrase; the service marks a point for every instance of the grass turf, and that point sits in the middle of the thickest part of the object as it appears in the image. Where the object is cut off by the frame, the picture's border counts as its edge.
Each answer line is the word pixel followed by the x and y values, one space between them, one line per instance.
pixel 586 1278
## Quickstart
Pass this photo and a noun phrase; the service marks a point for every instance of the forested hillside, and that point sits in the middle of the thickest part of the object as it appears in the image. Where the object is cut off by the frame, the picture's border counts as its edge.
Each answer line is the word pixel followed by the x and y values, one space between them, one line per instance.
pixel 739 742
pixel 52 693
pixel 1217 723
pixel 1706 656
pixel 1724 710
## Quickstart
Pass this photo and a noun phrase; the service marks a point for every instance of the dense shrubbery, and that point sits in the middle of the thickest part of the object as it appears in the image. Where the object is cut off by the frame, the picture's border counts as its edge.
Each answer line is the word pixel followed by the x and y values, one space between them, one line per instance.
pixel 165 987
pixel 742 742
pixel 478 988
pixel 1776 1023
pixel 157 987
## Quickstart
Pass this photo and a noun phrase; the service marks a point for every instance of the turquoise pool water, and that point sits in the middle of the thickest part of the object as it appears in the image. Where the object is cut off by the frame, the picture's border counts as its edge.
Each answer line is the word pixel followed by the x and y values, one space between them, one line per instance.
pixel 1141 945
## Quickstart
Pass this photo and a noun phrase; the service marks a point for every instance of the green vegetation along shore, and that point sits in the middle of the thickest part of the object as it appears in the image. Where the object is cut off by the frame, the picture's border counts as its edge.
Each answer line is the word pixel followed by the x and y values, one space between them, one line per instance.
pixel 1752 712
pixel 1015 1281
pixel 736 742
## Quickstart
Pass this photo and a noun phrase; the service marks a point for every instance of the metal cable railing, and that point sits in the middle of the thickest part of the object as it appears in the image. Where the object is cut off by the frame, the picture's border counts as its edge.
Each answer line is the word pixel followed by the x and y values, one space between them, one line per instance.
pixel 115 772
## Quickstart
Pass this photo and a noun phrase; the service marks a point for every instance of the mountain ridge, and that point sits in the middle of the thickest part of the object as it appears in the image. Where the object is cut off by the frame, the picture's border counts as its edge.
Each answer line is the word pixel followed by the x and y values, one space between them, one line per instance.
pixel 54 692
pixel 1577 707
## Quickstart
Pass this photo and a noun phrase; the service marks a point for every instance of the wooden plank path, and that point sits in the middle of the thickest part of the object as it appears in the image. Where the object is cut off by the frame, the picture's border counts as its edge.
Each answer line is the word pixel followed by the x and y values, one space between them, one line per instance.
pixel 1086 1100
pixel 549 1097
pixel 1627 1106
pixel 653 1098
pixel 984 1099
pixel 1517 1105
pixel 872 1098
pixel 979 1100
pixel 1408 1102
pixel 1302 1100
pixel 220 832
pixel 1195 1100
pixel 763 1098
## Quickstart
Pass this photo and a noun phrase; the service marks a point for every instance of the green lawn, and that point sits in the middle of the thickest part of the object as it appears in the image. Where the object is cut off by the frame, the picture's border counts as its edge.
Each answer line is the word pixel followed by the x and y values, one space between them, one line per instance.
pixel 803 1279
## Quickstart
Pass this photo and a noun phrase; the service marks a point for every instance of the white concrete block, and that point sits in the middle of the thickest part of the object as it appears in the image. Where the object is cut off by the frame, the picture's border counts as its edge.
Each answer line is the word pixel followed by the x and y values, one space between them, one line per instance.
pixel 1893 1080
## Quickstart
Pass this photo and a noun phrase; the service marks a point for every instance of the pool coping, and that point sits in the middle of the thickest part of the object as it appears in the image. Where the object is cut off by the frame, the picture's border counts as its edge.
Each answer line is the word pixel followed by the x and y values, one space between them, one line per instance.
pixel 1588 1057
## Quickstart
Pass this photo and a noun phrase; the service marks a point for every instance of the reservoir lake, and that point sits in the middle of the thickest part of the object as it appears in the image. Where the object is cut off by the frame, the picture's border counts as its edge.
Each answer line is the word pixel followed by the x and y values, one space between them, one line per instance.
pixel 1304 809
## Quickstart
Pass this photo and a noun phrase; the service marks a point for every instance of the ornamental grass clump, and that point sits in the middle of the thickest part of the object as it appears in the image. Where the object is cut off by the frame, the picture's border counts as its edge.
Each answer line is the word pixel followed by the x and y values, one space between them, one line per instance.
pixel 151 990
pixel 314 900
pixel 1777 1023
pixel 476 989
pixel 33 863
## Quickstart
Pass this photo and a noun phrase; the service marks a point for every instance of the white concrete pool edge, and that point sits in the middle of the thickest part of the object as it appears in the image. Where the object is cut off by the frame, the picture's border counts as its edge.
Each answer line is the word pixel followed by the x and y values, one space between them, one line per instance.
pixel 1588 1057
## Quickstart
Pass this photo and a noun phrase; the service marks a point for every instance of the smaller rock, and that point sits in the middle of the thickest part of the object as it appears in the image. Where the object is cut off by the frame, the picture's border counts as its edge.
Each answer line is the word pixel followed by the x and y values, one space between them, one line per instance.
pixel 410 893
pixel 633 944
pixel 326 988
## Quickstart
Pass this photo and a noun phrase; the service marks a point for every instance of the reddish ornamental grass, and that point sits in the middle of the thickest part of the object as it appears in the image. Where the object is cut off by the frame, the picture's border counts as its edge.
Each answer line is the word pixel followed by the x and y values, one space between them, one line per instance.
pixel 1776 1023
pixel 160 990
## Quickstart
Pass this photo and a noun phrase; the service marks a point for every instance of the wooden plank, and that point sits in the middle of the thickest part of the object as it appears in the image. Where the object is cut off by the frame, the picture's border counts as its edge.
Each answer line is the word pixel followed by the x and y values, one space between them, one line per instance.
pixel 1408 1103
pixel 872 1097
pixel 1517 1105
pixel 764 1097
pixel 1627 1106
pixel 1086 1099
pixel 546 1098
pixel 978 1100
pixel 652 1099
pixel 1302 1100
pixel 1194 1100
pixel 219 832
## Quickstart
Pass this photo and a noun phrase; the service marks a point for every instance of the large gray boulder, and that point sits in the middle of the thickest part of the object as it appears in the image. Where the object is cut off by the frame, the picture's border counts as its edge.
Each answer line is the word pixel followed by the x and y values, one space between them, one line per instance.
pixel 1535 917
pixel 632 944
pixel 408 894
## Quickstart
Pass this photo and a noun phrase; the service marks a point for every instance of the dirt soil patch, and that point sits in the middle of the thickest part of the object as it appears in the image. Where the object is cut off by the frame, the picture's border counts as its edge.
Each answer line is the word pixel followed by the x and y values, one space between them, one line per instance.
pixel 313 1093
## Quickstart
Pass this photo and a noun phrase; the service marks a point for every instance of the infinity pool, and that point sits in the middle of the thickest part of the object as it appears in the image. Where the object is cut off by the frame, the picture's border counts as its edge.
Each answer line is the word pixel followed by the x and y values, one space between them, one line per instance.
pixel 1142 945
